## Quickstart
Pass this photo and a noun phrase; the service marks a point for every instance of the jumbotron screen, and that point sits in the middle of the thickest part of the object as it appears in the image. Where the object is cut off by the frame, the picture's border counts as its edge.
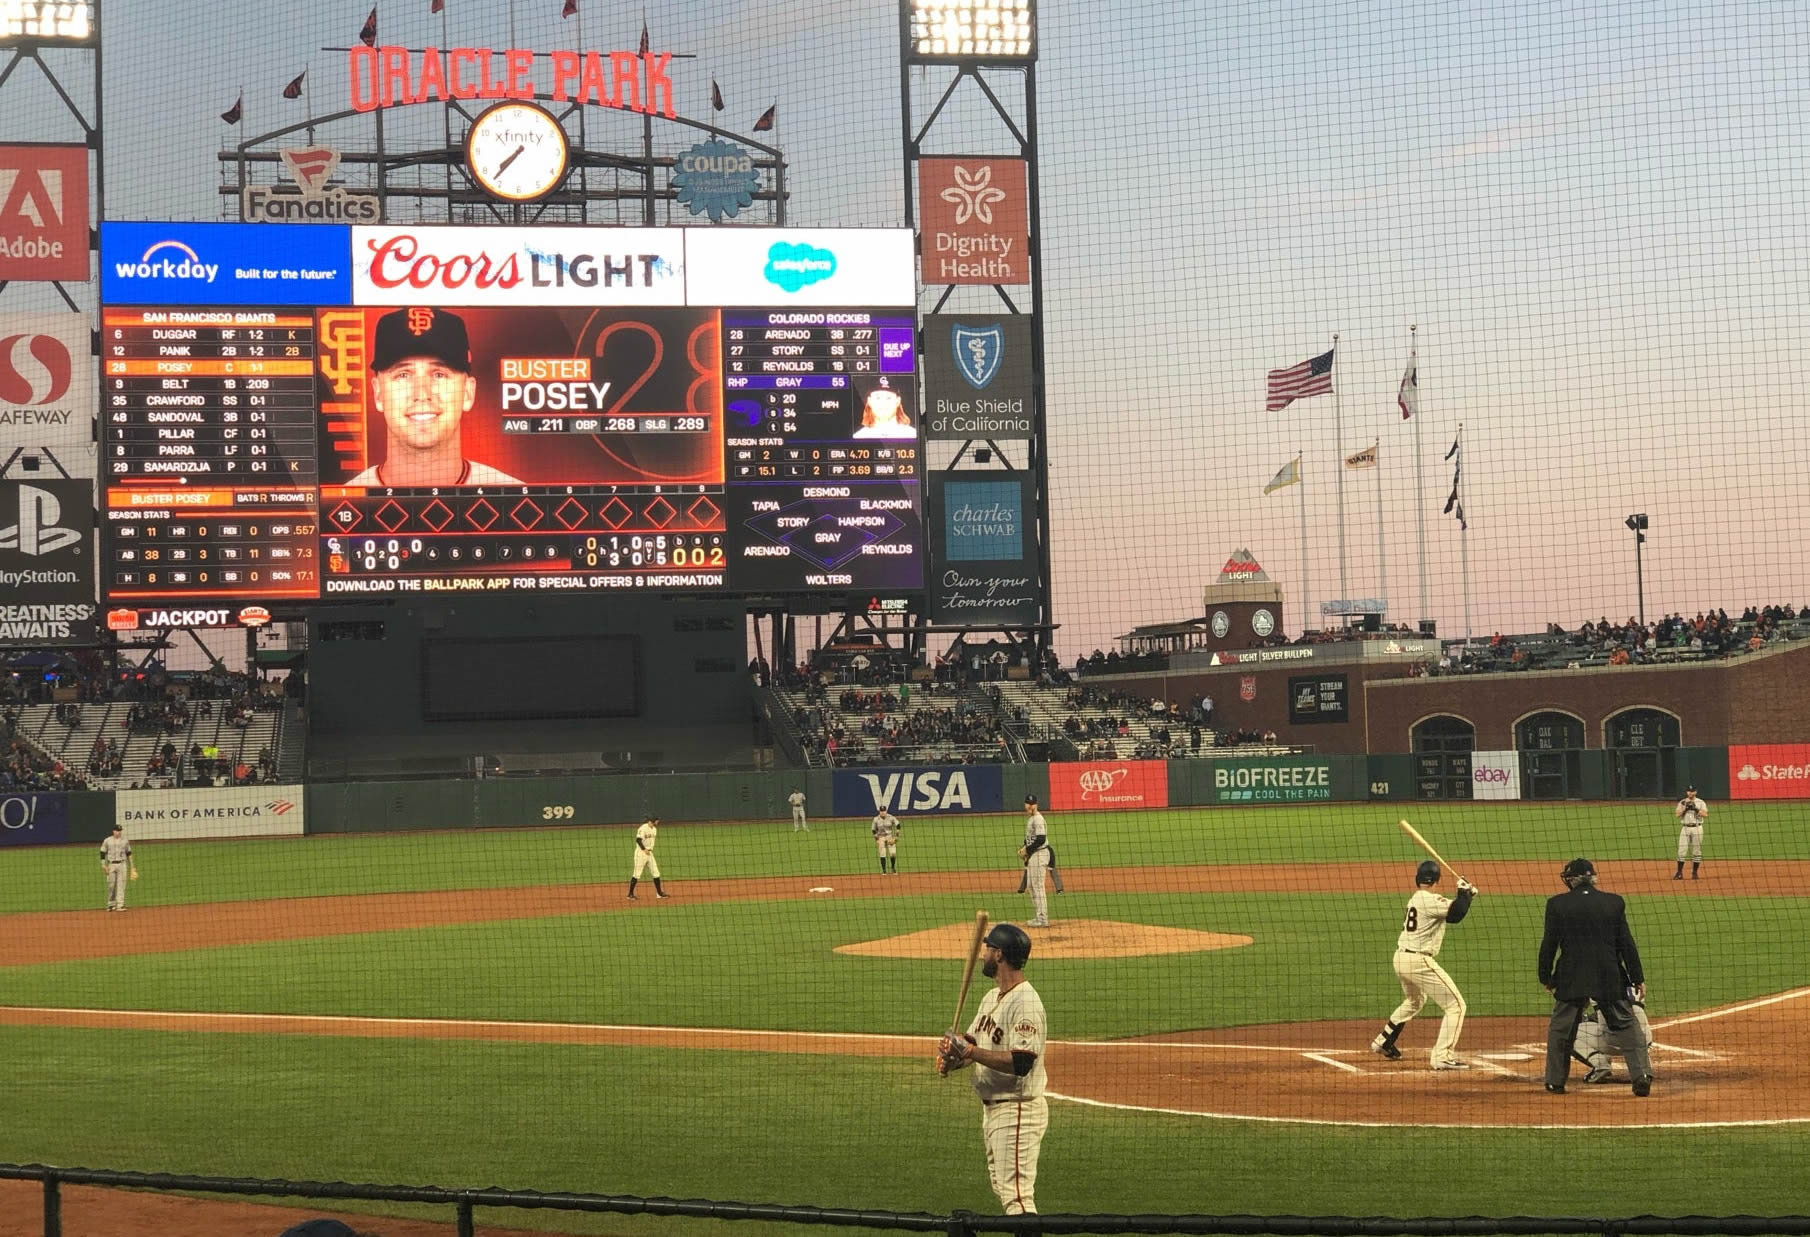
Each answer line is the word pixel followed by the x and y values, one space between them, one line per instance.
pixel 320 412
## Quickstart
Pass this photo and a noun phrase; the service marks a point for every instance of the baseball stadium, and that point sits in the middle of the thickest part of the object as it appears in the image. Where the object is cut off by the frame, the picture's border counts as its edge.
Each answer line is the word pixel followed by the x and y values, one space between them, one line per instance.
pixel 997 742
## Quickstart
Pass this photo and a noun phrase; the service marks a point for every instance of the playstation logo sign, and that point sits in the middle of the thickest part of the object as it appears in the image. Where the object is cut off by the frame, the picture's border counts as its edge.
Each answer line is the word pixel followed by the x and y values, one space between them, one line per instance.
pixel 37 531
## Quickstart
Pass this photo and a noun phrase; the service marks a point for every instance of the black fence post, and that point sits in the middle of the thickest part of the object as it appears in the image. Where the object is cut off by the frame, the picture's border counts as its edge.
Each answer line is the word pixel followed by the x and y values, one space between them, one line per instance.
pixel 53 1206
pixel 959 1224
pixel 465 1221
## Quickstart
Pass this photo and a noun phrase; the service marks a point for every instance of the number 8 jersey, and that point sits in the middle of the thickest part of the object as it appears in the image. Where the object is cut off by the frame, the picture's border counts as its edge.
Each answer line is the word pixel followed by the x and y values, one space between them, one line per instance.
pixel 1423 930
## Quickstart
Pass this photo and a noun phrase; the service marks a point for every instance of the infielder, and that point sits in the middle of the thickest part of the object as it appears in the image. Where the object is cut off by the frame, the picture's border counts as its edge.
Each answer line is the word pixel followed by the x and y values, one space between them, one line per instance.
pixel 886 839
pixel 1036 855
pixel 116 862
pixel 1592 1045
pixel 1690 812
pixel 1005 1044
pixel 644 857
pixel 796 799
pixel 1422 978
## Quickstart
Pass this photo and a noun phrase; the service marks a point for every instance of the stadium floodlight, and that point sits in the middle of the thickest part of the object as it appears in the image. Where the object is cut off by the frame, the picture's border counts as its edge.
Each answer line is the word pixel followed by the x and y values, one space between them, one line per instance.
pixel 1637 524
pixel 971 31
pixel 47 21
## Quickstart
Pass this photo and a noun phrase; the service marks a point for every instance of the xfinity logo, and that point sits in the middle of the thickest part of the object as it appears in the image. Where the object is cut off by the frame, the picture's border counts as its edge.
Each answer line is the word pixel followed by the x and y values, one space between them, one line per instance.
pixel 37 531
pixel 180 263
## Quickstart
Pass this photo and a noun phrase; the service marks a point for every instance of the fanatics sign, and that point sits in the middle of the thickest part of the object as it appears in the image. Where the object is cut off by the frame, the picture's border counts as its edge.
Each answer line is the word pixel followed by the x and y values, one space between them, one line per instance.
pixel 43 213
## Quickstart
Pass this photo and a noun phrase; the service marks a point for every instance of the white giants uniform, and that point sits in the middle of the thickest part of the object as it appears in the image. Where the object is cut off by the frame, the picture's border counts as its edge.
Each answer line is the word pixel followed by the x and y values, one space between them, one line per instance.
pixel 1014 1113
pixel 644 850
pixel 1690 813
pixel 1422 978
pixel 886 834
pixel 796 799
pixel 1036 868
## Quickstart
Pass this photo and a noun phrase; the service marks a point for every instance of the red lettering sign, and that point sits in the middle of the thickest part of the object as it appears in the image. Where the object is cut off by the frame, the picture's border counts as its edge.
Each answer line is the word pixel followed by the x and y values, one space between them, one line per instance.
pixel 390 76
pixel 43 213
pixel 1769 771
pixel 1109 785
pixel 398 261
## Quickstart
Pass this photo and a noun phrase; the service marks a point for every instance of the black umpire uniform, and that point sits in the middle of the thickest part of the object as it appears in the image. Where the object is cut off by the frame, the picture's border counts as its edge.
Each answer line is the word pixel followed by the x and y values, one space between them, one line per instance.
pixel 1588 954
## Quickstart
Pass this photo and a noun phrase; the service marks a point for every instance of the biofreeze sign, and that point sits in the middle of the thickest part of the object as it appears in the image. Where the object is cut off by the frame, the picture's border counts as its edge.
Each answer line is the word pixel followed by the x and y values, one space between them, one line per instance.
pixel 1279 780
pixel 230 812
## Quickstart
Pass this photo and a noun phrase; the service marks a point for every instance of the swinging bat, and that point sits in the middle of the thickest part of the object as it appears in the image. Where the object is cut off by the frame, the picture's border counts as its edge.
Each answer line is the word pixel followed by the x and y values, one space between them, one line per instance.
pixel 1427 846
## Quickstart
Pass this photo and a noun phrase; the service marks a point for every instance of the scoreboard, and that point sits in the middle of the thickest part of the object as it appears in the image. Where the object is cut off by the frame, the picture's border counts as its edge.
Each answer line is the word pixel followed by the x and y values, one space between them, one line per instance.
pixel 483 409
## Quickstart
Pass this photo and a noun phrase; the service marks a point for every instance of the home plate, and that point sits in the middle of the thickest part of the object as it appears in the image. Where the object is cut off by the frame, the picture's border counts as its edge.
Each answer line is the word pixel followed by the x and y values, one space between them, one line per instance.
pixel 1504 1056
pixel 820 889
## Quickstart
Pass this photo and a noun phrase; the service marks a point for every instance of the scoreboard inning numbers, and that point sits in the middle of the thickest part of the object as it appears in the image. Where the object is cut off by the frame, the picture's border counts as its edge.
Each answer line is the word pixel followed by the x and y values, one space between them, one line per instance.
pixel 458 410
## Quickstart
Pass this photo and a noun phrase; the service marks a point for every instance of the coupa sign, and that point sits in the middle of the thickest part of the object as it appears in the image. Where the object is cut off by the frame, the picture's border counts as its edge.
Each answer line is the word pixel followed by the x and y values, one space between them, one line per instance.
pixel 905 792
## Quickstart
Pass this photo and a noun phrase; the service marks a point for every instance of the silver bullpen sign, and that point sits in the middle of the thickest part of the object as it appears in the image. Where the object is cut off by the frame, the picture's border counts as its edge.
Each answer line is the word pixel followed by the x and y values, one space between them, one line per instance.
pixel 46 562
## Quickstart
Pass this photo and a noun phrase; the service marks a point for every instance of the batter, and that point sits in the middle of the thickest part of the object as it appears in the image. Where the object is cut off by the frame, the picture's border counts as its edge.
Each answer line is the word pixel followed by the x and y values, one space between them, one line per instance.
pixel 886 839
pixel 645 837
pixel 1422 978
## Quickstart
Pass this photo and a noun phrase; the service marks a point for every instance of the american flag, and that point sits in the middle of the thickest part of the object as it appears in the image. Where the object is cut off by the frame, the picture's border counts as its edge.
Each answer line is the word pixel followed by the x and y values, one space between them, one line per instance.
pixel 1311 377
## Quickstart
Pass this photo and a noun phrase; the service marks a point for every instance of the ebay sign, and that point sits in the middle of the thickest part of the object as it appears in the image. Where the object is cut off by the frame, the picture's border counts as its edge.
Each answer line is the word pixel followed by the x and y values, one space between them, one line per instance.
pixel 1495 775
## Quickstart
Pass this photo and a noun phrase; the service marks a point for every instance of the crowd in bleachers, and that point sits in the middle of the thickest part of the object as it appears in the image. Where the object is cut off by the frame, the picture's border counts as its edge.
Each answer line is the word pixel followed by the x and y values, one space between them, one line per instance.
pixel 1711 634
pixel 25 767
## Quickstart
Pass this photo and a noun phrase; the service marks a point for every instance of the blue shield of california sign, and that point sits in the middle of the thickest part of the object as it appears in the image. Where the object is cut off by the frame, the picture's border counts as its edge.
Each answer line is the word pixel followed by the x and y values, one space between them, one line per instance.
pixel 978 352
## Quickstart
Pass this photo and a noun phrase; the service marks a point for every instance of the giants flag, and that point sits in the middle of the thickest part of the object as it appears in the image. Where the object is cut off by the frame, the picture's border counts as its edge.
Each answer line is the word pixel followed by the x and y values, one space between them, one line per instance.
pixel 233 114
pixel 368 33
pixel 716 96
pixel 1311 377
pixel 766 119
pixel 1408 398
pixel 294 89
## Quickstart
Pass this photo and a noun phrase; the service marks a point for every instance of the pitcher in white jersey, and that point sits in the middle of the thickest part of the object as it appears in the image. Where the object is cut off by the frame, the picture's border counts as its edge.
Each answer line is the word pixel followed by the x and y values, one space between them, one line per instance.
pixel 1005 1045
pixel 1422 978
pixel 645 838
pixel 1036 856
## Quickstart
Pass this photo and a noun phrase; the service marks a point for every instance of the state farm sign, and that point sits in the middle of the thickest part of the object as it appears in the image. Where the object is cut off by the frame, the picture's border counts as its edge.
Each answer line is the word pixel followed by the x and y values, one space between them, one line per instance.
pixel 43 212
pixel 1769 771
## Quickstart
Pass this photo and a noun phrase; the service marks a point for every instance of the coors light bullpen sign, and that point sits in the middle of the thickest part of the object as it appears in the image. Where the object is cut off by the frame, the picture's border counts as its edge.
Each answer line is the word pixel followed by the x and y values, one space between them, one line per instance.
pixel 46 563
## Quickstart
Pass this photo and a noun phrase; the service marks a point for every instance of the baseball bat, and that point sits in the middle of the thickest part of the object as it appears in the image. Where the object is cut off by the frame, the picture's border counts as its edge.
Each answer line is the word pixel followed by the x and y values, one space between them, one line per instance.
pixel 1427 846
pixel 961 998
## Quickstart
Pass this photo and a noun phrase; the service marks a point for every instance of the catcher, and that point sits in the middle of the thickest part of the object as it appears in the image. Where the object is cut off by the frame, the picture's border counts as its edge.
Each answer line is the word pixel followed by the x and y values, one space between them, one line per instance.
pixel 1592 1045
pixel 1005 1045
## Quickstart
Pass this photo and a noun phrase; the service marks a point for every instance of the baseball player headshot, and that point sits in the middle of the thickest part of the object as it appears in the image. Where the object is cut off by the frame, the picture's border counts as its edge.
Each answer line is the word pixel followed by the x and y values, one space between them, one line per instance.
pixel 1587 953
pixel 1592 1046
pixel 886 839
pixel 1005 1044
pixel 116 863
pixel 1036 855
pixel 1422 978
pixel 422 386
pixel 1690 813
pixel 644 857
pixel 796 799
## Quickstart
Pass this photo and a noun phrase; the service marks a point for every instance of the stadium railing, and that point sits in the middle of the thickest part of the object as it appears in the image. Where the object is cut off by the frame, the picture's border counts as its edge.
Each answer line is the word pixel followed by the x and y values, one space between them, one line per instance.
pixel 465 1203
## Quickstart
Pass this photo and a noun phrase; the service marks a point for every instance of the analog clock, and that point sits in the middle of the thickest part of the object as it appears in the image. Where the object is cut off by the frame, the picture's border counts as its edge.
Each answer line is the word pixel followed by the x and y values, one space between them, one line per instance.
pixel 1222 624
pixel 517 152
pixel 1263 622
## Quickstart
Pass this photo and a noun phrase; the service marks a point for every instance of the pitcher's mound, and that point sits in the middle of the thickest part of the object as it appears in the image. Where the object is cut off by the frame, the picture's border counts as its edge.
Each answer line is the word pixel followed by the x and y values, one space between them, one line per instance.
pixel 1066 938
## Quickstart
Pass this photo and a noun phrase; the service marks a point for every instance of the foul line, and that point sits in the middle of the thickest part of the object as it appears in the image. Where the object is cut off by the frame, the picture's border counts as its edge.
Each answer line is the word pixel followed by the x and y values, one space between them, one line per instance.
pixel 1419 1124
pixel 1742 1008
pixel 1323 1059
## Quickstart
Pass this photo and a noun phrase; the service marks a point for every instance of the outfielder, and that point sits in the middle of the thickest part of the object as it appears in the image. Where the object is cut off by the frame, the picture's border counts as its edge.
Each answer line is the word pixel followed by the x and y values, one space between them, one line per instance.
pixel 796 799
pixel 1690 812
pixel 116 862
pixel 886 839
pixel 1592 1045
pixel 644 857
pixel 1422 978
pixel 1036 855
pixel 1005 1045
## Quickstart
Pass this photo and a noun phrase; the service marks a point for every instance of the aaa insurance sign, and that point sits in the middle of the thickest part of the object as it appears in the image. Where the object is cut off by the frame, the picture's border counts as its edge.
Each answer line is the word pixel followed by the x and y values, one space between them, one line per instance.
pixel 43 212
pixel 1769 771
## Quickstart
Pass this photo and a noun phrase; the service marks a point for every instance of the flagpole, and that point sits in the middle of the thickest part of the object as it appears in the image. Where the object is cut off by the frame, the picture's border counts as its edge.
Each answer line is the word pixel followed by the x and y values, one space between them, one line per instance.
pixel 1464 544
pixel 1338 433
pixel 1420 483
pixel 1382 559
pixel 1301 480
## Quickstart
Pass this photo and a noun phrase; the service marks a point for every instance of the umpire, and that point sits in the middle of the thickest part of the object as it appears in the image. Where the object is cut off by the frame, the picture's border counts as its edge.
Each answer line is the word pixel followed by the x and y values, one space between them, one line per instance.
pixel 1588 954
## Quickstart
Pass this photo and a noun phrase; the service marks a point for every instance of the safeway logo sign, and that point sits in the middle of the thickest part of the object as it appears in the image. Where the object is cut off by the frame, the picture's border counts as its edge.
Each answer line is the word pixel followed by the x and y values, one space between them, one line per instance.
pixel 1769 771
pixel 43 212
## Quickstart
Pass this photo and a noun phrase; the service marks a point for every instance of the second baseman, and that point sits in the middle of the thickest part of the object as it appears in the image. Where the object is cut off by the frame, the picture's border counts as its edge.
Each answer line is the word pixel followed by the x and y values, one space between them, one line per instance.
pixel 644 857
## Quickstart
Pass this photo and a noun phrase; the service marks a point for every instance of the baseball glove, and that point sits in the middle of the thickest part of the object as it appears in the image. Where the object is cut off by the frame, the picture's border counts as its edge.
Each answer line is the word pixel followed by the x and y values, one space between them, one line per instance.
pixel 134 874
pixel 952 1052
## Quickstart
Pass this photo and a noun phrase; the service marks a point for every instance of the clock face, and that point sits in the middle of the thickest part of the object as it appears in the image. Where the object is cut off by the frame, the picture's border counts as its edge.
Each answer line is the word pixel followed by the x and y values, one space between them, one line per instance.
pixel 1263 622
pixel 1222 623
pixel 517 152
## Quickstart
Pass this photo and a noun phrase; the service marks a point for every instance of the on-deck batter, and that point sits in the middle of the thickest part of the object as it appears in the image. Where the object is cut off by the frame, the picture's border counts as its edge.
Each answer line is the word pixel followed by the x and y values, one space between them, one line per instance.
pixel 886 839
pixel 644 857
pixel 1422 978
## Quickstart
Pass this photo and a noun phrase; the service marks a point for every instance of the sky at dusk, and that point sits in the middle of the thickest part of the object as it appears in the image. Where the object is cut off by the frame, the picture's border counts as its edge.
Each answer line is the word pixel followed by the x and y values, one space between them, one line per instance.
pixel 1592 212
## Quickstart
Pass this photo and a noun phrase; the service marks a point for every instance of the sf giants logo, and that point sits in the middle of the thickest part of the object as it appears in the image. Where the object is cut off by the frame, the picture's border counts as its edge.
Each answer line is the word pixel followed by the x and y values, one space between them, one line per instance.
pixel 420 321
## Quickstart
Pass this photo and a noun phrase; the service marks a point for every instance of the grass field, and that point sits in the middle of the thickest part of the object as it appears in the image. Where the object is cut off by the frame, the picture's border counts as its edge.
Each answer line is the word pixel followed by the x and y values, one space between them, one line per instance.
pixel 841 1130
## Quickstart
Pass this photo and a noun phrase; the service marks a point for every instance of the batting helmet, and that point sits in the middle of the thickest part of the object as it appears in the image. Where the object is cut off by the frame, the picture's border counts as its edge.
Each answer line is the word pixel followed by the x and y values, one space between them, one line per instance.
pixel 1012 942
pixel 1427 873
pixel 1579 871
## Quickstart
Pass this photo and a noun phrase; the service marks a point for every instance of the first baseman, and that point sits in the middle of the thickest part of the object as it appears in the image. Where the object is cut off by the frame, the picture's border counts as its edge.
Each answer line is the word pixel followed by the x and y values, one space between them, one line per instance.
pixel 1422 978
pixel 886 839
pixel 1005 1045
pixel 116 862
pixel 1036 855
pixel 1690 812
pixel 796 799
pixel 644 857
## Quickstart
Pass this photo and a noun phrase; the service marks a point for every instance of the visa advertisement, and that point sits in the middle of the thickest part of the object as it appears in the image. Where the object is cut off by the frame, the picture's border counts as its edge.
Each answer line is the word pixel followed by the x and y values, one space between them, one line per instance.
pixel 919 792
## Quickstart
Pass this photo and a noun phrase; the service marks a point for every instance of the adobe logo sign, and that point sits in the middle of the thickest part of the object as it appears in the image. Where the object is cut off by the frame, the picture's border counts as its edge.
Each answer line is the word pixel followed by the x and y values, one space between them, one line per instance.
pixel 43 212
pixel 1769 771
